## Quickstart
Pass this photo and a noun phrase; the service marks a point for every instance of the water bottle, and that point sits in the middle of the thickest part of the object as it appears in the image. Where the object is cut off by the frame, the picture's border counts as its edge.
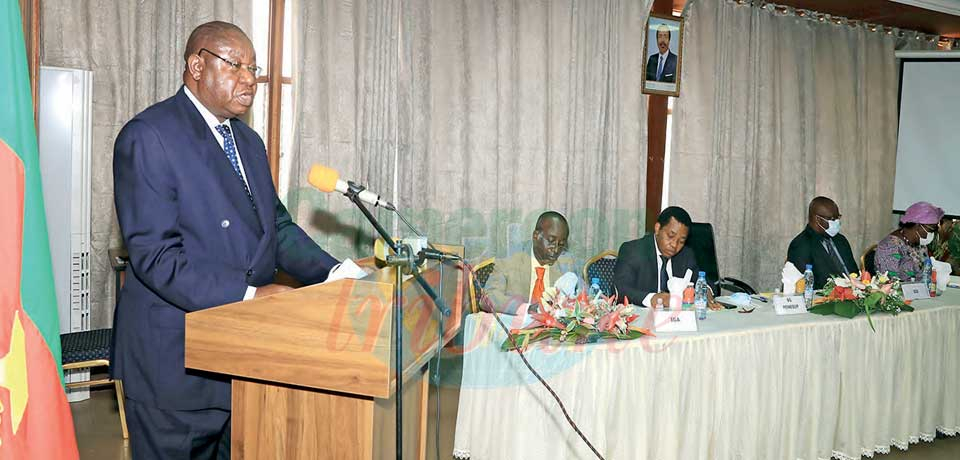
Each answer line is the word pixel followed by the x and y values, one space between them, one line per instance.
pixel 700 296
pixel 594 288
pixel 927 270
pixel 808 286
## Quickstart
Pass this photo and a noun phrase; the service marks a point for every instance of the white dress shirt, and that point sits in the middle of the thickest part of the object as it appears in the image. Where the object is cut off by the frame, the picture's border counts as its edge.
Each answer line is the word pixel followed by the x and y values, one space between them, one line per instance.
pixel 212 123
pixel 649 297
pixel 662 63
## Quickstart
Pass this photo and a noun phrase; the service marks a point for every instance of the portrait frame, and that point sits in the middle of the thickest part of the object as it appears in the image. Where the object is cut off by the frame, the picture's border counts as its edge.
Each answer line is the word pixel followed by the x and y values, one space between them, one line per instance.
pixel 668 83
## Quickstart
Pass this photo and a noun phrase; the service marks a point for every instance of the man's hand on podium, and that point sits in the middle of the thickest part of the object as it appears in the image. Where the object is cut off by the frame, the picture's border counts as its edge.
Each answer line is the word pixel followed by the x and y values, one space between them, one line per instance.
pixel 271 289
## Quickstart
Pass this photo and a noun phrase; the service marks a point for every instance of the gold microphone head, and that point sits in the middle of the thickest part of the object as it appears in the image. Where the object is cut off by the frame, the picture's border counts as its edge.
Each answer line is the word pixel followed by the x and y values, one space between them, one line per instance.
pixel 323 178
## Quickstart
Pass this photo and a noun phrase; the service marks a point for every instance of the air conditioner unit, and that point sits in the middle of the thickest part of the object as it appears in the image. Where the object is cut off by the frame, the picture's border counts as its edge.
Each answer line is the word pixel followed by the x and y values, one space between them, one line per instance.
pixel 64 141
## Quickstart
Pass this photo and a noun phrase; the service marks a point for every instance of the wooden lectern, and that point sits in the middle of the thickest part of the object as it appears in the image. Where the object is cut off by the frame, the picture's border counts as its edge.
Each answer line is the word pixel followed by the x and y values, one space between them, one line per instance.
pixel 312 368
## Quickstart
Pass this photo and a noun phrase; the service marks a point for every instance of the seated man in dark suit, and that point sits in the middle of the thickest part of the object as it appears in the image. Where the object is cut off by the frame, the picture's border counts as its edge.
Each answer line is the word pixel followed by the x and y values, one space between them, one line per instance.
pixel 520 279
pixel 662 66
pixel 821 244
pixel 644 266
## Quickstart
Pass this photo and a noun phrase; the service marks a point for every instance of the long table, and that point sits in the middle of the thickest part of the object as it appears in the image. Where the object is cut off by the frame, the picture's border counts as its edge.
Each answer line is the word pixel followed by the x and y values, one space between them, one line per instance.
pixel 747 386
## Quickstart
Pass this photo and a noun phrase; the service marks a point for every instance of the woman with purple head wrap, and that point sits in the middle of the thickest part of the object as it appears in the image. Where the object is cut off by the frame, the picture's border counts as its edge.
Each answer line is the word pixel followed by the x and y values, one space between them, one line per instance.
pixel 903 251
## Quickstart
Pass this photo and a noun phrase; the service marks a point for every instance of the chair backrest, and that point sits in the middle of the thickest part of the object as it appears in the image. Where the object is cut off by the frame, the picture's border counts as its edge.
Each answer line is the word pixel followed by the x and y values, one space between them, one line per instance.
pixel 483 270
pixel 867 260
pixel 701 241
pixel 478 279
pixel 601 266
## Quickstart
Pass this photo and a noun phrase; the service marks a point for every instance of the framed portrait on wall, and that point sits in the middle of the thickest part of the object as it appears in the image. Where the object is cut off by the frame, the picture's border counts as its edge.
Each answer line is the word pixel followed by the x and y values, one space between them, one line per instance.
pixel 663 54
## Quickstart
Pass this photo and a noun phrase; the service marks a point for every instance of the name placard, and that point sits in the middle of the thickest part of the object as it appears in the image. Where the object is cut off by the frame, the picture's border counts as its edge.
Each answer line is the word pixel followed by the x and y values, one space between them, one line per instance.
pixel 915 291
pixel 789 305
pixel 675 321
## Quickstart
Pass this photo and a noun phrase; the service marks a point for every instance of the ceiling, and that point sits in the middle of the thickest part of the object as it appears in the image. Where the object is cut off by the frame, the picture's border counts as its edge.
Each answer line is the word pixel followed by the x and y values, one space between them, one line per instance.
pixel 935 20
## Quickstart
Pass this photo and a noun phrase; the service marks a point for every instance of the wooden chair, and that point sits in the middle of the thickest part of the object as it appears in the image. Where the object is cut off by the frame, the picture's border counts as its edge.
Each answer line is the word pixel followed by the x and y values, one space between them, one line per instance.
pixel 601 266
pixel 478 279
pixel 92 349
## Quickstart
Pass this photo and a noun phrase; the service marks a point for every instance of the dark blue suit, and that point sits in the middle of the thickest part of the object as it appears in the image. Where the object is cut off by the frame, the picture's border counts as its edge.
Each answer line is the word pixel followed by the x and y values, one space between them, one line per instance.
pixel 669 74
pixel 195 241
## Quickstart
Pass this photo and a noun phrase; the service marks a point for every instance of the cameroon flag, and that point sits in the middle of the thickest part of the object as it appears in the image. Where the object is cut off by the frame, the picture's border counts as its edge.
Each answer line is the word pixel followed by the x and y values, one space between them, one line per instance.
pixel 35 420
pixel 16 129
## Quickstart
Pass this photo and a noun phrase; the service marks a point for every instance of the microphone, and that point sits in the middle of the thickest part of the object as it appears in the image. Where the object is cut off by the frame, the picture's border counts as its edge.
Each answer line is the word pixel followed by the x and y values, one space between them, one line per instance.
pixel 328 180
pixel 433 254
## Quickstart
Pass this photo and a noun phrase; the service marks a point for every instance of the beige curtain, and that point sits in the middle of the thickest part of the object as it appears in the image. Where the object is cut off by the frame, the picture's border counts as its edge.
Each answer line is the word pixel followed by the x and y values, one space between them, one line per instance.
pixel 345 92
pixel 776 109
pixel 135 50
pixel 502 109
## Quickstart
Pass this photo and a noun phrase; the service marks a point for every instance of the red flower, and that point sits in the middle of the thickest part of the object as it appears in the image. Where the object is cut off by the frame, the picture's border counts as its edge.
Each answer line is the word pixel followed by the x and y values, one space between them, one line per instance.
pixel 608 322
pixel 547 320
pixel 842 293
pixel 865 277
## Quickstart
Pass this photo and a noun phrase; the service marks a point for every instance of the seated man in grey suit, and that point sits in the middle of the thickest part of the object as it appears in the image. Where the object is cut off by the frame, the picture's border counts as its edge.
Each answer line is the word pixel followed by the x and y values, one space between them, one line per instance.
pixel 520 279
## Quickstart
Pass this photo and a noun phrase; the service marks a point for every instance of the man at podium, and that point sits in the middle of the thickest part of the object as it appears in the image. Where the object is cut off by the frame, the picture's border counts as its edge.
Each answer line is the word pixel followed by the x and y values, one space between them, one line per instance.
pixel 519 281
pixel 204 227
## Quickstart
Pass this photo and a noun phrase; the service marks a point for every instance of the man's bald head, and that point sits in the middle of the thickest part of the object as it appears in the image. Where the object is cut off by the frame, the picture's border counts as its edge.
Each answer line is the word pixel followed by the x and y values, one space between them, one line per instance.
pixel 550 237
pixel 821 209
pixel 210 35
pixel 221 69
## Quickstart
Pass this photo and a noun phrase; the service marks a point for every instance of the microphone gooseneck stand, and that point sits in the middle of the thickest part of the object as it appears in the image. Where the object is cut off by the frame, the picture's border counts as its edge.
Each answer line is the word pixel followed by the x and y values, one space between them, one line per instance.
pixel 402 260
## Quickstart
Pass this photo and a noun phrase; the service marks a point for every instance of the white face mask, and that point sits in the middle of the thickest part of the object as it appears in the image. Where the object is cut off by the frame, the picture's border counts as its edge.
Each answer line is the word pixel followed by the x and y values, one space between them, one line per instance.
pixel 927 239
pixel 832 228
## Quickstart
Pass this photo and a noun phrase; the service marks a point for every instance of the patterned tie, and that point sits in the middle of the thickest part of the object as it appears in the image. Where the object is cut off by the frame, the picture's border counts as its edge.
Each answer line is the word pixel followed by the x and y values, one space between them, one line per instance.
pixel 660 68
pixel 230 148
pixel 538 286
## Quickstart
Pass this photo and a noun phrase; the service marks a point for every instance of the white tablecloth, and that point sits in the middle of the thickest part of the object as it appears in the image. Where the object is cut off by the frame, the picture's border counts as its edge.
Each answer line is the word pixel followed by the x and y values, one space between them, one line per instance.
pixel 747 386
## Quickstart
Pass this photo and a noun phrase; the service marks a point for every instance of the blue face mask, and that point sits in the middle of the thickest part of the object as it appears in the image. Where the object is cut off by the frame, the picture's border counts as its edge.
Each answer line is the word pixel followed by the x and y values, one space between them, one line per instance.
pixel 832 228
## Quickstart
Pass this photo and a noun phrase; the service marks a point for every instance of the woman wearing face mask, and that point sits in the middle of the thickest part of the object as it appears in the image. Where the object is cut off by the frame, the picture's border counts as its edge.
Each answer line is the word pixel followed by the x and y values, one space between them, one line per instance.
pixel 903 251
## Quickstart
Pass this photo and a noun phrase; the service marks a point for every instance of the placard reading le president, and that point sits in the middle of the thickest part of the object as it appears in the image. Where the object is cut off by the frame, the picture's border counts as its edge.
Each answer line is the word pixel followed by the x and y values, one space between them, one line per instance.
pixel 663 55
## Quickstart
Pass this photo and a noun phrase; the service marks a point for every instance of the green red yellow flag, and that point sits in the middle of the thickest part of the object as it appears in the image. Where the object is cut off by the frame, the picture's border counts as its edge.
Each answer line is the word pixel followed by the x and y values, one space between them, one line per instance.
pixel 17 130
pixel 35 419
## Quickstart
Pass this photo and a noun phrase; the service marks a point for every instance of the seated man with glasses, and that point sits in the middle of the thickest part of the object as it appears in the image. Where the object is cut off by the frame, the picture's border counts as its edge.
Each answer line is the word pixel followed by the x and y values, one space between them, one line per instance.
pixel 518 281
pixel 821 244
pixel 903 252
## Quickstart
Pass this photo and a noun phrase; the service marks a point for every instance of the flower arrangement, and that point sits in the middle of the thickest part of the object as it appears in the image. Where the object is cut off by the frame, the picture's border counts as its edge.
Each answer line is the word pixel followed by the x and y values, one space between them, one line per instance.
pixel 849 295
pixel 577 320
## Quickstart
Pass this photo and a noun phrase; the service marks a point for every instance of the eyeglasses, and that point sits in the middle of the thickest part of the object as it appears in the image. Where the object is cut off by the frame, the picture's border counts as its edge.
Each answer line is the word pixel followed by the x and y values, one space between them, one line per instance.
pixel 830 217
pixel 253 69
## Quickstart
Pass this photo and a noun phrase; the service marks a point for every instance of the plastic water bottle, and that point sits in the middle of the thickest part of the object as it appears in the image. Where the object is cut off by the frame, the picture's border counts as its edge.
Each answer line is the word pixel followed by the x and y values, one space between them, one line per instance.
pixel 808 286
pixel 594 288
pixel 700 296
pixel 927 270
pixel 930 277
